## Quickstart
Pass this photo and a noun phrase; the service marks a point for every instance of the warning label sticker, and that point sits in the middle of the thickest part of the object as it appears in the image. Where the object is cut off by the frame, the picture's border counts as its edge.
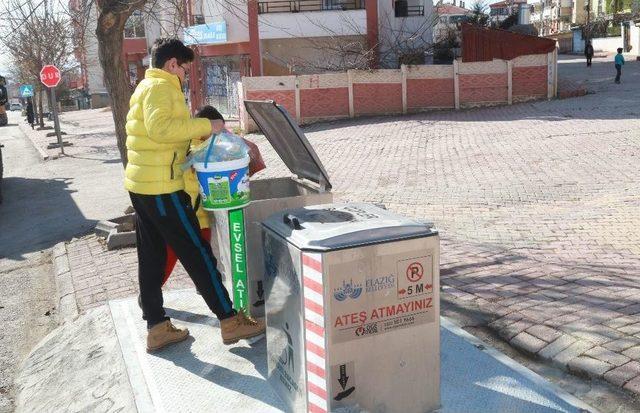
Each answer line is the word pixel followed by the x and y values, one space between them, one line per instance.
pixel 410 303
pixel 343 382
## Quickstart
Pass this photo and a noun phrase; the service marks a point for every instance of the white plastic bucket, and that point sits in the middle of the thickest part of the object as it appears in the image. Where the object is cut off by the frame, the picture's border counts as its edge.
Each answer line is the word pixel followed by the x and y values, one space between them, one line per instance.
pixel 224 185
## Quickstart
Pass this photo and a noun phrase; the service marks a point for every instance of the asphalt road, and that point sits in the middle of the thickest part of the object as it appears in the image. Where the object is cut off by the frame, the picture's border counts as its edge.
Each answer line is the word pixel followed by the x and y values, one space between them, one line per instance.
pixel 26 284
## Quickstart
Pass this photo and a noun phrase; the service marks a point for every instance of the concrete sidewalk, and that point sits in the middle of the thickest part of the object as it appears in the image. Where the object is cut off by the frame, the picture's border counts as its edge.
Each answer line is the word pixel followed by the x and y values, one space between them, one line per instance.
pixel 201 375
pixel 90 132
pixel 524 294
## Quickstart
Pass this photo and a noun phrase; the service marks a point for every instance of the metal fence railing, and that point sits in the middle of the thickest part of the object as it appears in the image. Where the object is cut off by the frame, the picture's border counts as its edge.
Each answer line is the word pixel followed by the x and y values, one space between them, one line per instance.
pixel 415 11
pixel 297 6
pixel 403 9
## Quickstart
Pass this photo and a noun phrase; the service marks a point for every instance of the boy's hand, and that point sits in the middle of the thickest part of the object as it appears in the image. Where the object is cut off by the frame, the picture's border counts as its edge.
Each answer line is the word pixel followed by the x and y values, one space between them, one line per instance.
pixel 217 126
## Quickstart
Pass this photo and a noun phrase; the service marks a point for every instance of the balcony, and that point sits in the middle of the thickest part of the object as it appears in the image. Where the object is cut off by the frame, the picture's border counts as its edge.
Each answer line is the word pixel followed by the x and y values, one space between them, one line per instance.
pixel 280 19
pixel 402 9
pixel 408 11
pixel 298 6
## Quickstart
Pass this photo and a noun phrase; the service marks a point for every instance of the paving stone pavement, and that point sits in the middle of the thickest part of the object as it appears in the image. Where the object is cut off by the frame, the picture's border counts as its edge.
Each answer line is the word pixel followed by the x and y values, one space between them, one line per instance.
pixel 538 205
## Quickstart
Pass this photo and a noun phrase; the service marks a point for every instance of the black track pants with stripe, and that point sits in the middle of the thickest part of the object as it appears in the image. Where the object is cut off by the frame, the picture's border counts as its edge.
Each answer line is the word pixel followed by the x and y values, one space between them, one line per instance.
pixel 169 219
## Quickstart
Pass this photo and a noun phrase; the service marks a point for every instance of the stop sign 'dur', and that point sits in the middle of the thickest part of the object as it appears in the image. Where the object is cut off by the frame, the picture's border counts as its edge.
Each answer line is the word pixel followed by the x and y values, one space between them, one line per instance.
pixel 49 75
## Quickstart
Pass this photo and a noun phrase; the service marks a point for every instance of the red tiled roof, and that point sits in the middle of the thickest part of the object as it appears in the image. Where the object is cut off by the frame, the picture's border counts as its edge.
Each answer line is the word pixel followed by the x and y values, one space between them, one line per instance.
pixel 451 9
pixel 506 3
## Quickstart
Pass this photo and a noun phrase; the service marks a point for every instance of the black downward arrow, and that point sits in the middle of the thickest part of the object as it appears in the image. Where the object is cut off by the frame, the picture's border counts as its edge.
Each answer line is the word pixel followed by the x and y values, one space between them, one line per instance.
pixel 343 376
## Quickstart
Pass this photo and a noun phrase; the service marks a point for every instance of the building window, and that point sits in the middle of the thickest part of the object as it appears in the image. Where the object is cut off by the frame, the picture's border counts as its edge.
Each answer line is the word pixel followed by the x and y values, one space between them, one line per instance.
pixel 133 74
pixel 134 27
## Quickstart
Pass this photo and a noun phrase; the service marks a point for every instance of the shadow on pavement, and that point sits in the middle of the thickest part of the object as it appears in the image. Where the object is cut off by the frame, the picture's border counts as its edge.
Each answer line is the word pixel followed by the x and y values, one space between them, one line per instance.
pixel 188 317
pixel 89 158
pixel 248 353
pixel 36 214
pixel 221 376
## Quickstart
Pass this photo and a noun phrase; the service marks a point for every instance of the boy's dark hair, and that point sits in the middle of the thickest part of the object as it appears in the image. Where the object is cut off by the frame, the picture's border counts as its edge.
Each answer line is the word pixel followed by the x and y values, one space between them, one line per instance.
pixel 619 49
pixel 210 113
pixel 164 49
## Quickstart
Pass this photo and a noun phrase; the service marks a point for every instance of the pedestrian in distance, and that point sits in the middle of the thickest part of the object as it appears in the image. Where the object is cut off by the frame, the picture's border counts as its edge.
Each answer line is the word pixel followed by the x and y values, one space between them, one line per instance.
pixel 159 131
pixel 619 61
pixel 30 113
pixel 588 52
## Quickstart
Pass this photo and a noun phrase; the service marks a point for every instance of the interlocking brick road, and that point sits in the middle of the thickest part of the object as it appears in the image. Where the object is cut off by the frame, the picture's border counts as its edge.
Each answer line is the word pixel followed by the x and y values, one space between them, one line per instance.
pixel 538 205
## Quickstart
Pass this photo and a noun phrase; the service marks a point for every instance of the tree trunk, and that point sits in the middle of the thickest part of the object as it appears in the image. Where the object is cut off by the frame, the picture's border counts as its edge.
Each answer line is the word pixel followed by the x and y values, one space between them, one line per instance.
pixel 50 102
pixel 40 109
pixel 110 36
pixel 34 102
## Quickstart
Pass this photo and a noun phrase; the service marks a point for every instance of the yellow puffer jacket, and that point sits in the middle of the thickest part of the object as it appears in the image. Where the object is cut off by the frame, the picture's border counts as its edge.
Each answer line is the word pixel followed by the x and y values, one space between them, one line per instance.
pixel 159 129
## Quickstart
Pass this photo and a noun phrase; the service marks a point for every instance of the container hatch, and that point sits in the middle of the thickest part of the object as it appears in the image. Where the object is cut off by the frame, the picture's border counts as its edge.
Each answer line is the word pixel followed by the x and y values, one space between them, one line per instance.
pixel 338 226
pixel 288 141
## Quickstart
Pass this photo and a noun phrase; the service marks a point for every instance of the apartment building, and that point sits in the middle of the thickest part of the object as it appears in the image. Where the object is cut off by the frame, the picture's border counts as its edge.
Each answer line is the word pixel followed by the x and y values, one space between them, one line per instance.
pixel 450 17
pixel 554 16
pixel 281 37
pixel 265 37
pixel 500 11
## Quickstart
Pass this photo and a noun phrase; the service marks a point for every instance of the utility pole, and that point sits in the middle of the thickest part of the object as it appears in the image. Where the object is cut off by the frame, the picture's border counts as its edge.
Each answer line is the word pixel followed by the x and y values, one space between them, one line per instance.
pixel 587 32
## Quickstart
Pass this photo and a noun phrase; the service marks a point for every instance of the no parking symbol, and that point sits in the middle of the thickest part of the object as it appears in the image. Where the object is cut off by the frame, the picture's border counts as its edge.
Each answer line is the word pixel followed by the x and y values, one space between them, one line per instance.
pixel 418 279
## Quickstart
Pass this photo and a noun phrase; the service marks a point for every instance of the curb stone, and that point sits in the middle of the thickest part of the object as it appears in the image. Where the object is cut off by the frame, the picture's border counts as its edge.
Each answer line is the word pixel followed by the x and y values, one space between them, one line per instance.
pixel 43 154
pixel 575 355
pixel 66 295
pixel 117 239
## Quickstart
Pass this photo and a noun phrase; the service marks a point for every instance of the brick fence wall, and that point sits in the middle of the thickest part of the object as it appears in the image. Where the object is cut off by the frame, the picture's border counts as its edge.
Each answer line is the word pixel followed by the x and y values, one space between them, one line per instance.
pixel 328 96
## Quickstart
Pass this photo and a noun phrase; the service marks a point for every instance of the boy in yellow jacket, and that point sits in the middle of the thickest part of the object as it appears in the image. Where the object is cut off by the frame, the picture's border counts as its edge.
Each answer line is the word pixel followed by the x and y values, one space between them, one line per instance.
pixel 192 186
pixel 159 130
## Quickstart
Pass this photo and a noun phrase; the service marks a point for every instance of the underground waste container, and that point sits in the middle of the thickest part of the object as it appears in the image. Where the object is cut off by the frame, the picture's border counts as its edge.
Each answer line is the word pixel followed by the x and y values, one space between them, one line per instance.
pixel 352 309
pixel 238 233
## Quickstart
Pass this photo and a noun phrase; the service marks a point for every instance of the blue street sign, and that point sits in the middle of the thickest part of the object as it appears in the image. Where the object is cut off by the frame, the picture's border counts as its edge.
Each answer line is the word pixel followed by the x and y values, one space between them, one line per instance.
pixel 26 91
pixel 206 33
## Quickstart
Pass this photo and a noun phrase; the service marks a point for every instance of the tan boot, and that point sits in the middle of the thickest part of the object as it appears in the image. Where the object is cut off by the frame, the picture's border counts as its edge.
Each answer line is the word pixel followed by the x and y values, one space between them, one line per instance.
pixel 240 326
pixel 163 334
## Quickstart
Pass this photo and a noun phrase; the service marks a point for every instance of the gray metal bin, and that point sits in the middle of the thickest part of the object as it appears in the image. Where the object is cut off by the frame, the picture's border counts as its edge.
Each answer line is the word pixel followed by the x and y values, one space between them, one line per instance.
pixel 352 303
pixel 309 186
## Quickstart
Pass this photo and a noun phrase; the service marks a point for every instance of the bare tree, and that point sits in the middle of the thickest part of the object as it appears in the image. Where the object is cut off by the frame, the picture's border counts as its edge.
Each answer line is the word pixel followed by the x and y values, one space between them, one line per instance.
pixel 111 19
pixel 112 16
pixel 347 48
pixel 34 36
pixel 20 72
pixel 403 43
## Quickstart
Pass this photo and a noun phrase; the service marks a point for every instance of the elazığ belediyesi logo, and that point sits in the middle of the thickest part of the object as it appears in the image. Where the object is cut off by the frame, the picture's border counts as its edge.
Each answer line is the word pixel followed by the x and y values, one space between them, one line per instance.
pixel 379 283
pixel 347 290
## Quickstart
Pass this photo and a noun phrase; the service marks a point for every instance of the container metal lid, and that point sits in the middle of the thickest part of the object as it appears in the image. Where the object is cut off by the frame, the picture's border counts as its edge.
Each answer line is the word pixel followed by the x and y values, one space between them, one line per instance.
pixel 338 226
pixel 288 140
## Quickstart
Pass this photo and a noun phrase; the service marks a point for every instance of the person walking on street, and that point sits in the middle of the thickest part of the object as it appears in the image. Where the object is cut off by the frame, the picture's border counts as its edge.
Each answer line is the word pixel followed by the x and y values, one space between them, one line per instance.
pixel 3 102
pixel 619 61
pixel 159 130
pixel 30 113
pixel 588 52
